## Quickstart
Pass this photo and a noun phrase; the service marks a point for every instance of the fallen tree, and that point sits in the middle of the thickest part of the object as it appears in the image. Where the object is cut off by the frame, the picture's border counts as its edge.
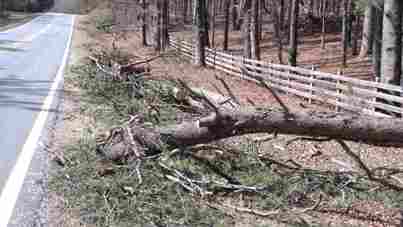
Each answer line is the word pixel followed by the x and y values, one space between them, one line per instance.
pixel 136 140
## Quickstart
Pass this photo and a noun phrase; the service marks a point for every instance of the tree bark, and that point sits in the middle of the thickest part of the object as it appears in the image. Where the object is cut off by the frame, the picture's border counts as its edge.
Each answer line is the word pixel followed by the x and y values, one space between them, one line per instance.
pixel 367 31
pixel 213 23
pixel 392 42
pixel 165 24
pixel 144 27
pixel 323 36
pixel 277 31
pixel 235 21
pixel 377 43
pixel 293 51
pixel 247 29
pixel 157 33
pixel 185 10
pixel 254 30
pixel 199 33
pixel 345 32
pixel 282 14
pixel 376 131
pixel 226 24
pixel 350 21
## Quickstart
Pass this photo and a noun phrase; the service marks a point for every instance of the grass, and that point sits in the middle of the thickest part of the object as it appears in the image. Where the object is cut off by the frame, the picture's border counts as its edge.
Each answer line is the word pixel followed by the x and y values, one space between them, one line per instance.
pixel 117 198
pixel 110 194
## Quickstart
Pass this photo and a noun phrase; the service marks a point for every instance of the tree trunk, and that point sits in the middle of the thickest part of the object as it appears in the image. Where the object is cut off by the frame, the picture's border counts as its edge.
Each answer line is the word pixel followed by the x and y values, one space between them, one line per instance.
pixel 206 25
pixel 235 122
pixel 345 31
pixel 356 34
pixel 226 25
pixel 254 30
pixel 199 33
pixel 213 14
pixel 377 48
pixel 236 26
pixel 277 31
pixel 144 27
pixel 392 42
pixel 367 31
pixel 350 20
pixel 282 15
pixel 165 24
pixel 323 36
pixel 293 51
pixel 185 10
pixel 289 16
pixel 157 33
pixel 247 29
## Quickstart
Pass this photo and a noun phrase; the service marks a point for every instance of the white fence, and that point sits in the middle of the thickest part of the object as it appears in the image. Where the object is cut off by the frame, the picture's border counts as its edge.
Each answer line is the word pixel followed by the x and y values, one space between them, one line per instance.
pixel 341 92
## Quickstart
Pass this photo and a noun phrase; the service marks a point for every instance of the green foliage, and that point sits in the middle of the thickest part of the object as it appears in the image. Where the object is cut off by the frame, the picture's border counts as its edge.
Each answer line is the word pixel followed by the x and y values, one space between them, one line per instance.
pixel 104 24
pixel 118 198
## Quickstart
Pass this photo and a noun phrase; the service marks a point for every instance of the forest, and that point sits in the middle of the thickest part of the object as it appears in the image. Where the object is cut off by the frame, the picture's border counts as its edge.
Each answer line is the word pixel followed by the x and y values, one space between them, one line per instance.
pixel 234 113
pixel 363 28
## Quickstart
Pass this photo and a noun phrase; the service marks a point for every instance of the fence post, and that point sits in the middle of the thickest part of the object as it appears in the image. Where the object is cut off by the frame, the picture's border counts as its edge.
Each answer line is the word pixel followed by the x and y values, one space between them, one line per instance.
pixel 338 91
pixel 243 68
pixel 311 85
pixel 377 79
pixel 288 81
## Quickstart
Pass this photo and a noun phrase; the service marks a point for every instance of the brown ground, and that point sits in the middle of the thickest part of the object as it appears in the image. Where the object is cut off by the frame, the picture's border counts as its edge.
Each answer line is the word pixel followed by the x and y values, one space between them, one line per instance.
pixel 86 38
pixel 310 53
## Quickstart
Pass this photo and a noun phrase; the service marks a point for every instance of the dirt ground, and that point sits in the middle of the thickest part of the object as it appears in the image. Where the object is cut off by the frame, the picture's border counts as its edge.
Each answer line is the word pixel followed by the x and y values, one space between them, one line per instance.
pixel 324 155
pixel 310 53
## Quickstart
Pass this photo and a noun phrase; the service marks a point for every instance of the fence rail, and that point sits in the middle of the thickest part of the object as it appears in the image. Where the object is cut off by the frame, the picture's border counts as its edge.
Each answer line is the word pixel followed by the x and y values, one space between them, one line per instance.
pixel 341 92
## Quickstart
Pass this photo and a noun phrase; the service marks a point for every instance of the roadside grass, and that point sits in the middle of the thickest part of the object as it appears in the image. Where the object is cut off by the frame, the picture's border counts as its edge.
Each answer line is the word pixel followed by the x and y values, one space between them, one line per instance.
pixel 110 194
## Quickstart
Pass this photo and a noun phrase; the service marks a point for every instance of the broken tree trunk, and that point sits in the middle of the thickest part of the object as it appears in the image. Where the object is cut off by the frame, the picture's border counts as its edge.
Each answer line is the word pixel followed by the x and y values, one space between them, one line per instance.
pixel 138 141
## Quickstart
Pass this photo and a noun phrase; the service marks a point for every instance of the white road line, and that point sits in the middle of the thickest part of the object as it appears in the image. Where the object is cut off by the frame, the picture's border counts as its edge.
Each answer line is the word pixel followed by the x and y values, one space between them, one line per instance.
pixel 12 188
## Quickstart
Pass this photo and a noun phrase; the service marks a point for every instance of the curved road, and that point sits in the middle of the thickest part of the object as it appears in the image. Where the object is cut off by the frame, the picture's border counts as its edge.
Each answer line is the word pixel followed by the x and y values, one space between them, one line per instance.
pixel 32 58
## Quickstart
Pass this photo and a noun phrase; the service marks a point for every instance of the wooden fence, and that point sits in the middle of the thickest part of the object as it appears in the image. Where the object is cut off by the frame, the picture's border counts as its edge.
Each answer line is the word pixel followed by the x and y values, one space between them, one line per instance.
pixel 337 91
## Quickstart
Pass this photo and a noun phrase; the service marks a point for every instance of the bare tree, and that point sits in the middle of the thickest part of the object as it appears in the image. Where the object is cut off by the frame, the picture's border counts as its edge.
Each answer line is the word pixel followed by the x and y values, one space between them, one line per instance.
pixel 157 32
pixel 344 41
pixel 235 17
pixel 164 24
pixel 199 32
pixel 323 36
pixel 144 25
pixel 377 43
pixel 226 23
pixel 246 29
pixel 254 30
pixel 392 42
pixel 277 30
pixel 367 31
pixel 293 50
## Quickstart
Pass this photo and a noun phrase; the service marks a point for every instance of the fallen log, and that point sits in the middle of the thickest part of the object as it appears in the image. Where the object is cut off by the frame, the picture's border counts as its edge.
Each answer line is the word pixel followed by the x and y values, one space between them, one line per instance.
pixel 228 123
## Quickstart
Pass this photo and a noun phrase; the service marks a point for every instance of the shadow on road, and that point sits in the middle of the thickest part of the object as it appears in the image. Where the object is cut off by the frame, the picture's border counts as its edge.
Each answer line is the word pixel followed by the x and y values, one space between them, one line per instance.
pixel 24 94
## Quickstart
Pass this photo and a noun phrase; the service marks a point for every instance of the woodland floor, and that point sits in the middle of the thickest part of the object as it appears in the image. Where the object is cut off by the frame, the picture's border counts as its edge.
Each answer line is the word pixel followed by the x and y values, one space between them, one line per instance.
pixel 80 122
pixel 310 52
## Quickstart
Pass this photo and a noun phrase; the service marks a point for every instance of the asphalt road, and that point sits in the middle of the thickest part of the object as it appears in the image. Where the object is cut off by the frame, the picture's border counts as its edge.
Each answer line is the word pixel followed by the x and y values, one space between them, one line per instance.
pixel 30 59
